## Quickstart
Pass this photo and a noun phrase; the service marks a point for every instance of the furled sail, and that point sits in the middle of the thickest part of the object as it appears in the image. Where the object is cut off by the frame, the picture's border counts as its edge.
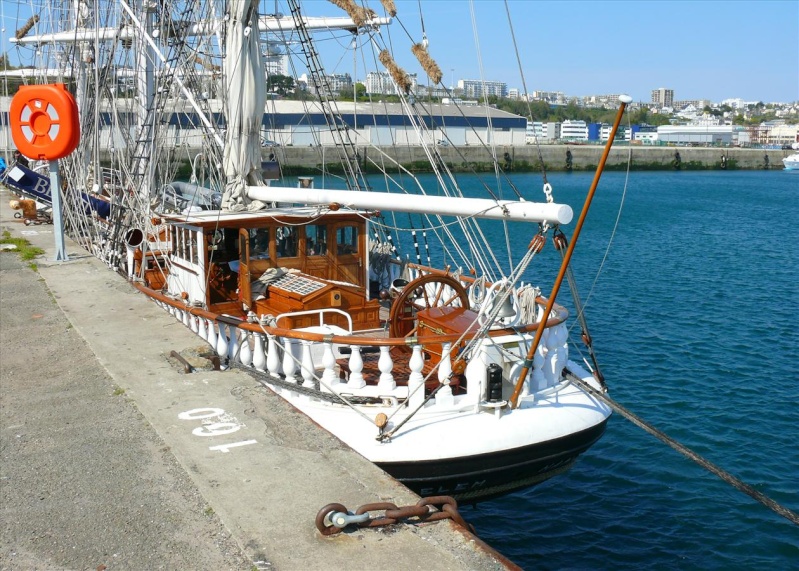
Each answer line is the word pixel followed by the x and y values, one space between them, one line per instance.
pixel 245 84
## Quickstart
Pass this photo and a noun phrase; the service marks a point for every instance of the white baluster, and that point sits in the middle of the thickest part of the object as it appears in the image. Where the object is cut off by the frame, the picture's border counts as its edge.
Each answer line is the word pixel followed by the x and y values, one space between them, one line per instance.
pixel 221 343
pixel 538 381
pixel 549 357
pixel 559 348
pixel 233 344
pixel 289 365
pixel 245 353
pixel 307 370
pixel 385 364
pixel 444 395
pixel 273 355
pixel 178 314
pixel 356 367
pixel 329 377
pixel 202 330
pixel 212 340
pixel 416 378
pixel 186 318
pixel 258 354
pixel 193 323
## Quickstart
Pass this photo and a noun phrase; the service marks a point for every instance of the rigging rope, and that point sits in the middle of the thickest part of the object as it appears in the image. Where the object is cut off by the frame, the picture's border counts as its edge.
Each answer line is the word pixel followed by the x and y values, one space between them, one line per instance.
pixel 736 483
pixel 524 86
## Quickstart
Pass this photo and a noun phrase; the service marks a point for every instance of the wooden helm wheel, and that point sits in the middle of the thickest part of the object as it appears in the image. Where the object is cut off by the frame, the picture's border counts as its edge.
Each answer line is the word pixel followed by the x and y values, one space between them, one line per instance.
pixel 425 292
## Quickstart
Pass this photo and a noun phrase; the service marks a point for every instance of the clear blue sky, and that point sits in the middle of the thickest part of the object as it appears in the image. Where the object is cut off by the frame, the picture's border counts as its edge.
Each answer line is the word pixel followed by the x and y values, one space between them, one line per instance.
pixel 700 49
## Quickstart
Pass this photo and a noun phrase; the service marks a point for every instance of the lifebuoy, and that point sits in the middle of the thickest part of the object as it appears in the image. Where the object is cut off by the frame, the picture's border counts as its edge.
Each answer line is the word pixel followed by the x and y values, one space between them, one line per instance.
pixel 44 121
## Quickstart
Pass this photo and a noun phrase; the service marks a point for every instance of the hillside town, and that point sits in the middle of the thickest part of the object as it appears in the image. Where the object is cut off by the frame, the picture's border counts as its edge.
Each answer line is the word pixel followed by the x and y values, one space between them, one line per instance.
pixel 472 112
pixel 700 122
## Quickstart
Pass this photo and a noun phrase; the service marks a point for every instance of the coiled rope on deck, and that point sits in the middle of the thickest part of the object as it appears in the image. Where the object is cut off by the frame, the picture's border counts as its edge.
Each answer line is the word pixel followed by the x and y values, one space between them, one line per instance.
pixel 736 483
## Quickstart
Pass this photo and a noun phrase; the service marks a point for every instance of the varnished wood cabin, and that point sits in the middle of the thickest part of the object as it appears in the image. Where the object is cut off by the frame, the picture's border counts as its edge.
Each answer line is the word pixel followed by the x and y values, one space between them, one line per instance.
pixel 219 260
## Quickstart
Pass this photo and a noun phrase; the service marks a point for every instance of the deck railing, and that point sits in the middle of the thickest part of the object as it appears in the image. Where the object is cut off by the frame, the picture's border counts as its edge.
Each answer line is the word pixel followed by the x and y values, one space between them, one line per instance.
pixel 308 358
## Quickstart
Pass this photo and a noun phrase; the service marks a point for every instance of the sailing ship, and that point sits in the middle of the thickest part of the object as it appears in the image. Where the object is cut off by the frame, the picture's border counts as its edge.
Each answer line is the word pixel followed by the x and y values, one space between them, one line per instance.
pixel 451 372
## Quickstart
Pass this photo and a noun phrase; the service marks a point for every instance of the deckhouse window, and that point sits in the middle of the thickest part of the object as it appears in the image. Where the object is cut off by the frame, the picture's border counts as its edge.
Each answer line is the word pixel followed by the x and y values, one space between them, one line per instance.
pixel 184 245
pixel 259 243
pixel 347 240
pixel 286 242
pixel 316 240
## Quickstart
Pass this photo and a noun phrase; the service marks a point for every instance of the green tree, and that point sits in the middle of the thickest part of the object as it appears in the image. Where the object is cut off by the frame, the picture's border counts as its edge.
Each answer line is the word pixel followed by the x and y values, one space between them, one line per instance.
pixel 280 84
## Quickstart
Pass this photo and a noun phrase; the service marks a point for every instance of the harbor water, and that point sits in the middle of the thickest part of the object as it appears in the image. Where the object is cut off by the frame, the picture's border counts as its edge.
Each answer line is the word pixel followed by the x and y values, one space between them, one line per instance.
pixel 694 319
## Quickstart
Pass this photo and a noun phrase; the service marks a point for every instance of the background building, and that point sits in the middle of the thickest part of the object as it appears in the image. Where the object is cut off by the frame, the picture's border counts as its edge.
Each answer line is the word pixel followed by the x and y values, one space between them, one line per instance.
pixel 380 83
pixel 574 131
pixel 474 88
pixel 334 83
pixel 663 97
pixel 276 62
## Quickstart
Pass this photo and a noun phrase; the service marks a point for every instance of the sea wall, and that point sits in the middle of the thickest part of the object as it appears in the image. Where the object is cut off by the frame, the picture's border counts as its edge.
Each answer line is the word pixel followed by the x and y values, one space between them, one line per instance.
pixel 297 160
pixel 525 158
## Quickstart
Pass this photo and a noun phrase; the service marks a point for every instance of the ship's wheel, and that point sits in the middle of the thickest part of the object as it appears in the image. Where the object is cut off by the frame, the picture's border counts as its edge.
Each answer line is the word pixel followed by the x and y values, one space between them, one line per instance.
pixel 425 292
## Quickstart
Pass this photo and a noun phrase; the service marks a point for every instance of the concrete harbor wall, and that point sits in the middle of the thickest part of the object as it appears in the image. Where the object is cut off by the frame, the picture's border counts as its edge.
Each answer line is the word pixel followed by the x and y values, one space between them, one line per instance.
pixel 296 160
pixel 525 158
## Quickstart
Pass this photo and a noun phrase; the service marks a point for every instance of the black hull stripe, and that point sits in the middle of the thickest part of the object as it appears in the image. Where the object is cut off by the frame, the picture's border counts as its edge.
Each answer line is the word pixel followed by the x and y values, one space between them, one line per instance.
pixel 489 475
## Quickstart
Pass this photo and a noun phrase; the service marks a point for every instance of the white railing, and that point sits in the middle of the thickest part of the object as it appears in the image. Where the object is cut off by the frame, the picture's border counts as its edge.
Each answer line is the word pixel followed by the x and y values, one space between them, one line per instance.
pixel 292 360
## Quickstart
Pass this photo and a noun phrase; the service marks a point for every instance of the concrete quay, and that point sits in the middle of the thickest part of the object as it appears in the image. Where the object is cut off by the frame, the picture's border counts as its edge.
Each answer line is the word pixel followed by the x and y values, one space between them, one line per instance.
pixel 524 158
pixel 112 457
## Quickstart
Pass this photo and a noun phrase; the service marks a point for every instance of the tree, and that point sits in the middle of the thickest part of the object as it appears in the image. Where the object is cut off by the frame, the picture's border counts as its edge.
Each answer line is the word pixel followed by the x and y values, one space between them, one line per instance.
pixel 11 84
pixel 280 84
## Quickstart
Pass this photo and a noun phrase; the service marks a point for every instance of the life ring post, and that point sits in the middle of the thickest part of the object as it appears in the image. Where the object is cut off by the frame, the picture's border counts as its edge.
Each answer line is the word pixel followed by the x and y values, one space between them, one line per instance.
pixel 58 222
pixel 45 126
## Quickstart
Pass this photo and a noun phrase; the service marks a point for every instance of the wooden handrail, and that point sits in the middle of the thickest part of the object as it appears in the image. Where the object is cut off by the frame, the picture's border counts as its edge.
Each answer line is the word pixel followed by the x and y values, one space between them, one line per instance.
pixel 560 315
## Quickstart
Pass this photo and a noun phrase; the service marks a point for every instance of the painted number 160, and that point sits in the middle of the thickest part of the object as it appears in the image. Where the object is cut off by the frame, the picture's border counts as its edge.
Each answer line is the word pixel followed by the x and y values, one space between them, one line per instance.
pixel 226 424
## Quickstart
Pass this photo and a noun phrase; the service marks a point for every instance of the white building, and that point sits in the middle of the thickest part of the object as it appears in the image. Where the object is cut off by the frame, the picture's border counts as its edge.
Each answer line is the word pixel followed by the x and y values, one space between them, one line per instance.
pixel 477 88
pixel 574 130
pixel 275 61
pixel 381 83
pixel 333 83
pixel 646 137
pixel 604 133
pixel 539 132
pixel 535 132
pixel 549 96
pixel 697 134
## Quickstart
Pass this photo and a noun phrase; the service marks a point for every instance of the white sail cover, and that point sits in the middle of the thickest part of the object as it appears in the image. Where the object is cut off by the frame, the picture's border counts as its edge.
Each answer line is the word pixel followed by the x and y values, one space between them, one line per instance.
pixel 245 86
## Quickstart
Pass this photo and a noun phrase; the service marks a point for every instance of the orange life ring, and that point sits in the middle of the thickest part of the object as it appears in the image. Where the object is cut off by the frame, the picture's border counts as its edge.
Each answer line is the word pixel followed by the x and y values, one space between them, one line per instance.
pixel 44 121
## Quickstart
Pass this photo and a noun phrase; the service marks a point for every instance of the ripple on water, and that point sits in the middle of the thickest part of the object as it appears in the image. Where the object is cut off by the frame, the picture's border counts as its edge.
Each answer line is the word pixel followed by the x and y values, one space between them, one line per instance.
pixel 695 326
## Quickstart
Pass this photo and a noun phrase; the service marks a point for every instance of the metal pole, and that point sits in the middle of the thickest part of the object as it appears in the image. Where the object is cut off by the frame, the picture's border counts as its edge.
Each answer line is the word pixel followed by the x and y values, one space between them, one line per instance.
pixel 624 99
pixel 58 226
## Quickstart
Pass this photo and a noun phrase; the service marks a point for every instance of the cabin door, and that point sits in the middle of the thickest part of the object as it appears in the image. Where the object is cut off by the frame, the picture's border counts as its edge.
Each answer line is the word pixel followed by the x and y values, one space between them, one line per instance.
pixel 350 247
pixel 245 294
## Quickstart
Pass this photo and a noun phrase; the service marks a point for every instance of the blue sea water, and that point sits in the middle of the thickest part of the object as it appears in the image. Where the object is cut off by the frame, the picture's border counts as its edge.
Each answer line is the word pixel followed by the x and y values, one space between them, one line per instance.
pixel 695 319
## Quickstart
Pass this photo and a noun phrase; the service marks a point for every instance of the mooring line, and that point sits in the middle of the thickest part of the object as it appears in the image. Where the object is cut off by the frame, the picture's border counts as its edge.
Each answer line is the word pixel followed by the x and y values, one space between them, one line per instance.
pixel 736 483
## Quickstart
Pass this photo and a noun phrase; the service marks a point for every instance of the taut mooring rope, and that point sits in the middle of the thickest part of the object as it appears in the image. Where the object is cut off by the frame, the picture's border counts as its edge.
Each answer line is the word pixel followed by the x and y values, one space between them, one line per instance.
pixel 736 483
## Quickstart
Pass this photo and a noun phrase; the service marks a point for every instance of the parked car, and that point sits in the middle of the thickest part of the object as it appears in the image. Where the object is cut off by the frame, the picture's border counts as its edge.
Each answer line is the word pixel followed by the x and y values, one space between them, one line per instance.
pixel 442 143
pixel 267 143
